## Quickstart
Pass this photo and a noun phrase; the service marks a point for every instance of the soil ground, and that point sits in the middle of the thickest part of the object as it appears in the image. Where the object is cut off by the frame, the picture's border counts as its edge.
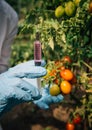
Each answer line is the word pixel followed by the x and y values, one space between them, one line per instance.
pixel 30 117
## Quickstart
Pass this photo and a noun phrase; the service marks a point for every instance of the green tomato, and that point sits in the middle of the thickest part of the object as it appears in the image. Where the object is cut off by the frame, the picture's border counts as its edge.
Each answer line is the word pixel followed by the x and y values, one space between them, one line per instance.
pixel 77 2
pixel 59 11
pixel 70 8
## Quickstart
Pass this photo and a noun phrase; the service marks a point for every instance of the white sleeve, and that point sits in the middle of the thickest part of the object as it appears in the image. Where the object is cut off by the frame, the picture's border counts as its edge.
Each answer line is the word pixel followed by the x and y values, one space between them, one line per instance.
pixel 3 29
pixel 8 30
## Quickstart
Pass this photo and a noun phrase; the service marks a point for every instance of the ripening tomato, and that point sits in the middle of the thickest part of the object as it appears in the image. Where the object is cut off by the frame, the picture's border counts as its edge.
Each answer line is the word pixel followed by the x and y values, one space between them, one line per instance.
pixel 70 126
pixel 65 87
pixel 54 90
pixel 62 67
pixel 90 7
pixel 66 74
pixel 67 59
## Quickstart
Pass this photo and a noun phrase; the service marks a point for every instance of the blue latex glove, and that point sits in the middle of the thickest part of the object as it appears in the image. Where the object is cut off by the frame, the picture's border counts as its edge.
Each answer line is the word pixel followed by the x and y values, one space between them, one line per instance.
pixel 14 89
pixel 46 99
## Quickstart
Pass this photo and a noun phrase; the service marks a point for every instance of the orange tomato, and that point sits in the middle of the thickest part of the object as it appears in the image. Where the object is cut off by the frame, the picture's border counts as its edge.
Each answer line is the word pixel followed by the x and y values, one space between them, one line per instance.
pixel 54 90
pixel 70 126
pixel 65 87
pixel 66 74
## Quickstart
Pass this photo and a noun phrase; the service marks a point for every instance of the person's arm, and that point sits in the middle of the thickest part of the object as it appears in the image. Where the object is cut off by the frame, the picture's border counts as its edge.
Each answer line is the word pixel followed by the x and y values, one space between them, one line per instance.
pixel 8 30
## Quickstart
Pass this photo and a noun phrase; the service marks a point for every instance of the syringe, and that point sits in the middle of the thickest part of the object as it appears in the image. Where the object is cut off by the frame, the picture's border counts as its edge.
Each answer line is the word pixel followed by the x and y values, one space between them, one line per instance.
pixel 37 56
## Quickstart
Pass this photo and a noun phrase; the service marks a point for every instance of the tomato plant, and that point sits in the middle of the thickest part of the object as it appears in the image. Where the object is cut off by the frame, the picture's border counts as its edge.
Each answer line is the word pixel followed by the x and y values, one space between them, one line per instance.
pixel 66 35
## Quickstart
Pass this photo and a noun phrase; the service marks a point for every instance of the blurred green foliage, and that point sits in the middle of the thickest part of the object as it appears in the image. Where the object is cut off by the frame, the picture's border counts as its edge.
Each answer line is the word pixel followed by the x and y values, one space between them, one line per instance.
pixel 59 36
pixel 64 34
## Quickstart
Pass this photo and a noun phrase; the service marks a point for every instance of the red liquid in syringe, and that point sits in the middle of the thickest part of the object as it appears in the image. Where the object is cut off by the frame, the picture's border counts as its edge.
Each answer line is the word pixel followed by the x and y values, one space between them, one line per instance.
pixel 37 53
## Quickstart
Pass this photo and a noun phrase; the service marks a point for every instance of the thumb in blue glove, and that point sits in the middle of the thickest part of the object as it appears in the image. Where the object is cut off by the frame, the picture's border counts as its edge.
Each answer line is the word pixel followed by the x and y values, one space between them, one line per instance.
pixel 46 100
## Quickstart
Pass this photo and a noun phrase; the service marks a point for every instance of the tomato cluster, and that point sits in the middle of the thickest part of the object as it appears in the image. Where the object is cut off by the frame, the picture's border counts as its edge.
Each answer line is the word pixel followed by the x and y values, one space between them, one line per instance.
pixel 67 8
pixel 76 120
pixel 59 75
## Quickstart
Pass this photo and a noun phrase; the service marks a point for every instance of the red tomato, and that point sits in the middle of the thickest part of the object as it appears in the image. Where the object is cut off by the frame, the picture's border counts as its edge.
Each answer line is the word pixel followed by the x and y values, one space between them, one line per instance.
pixel 77 119
pixel 70 126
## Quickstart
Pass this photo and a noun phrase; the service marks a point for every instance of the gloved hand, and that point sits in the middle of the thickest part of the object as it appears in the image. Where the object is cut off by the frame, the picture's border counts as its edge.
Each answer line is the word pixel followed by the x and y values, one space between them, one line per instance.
pixel 46 99
pixel 14 89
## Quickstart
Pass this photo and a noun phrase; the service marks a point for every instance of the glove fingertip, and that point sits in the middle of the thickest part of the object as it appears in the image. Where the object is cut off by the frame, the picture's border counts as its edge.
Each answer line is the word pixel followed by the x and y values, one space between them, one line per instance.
pixel 44 107
pixel 60 97
pixel 57 99
pixel 41 105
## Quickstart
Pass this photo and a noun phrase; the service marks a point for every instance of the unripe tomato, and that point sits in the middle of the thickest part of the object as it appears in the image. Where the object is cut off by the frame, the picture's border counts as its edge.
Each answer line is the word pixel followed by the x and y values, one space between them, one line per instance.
pixel 59 11
pixel 54 90
pixel 70 126
pixel 77 2
pixel 70 8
